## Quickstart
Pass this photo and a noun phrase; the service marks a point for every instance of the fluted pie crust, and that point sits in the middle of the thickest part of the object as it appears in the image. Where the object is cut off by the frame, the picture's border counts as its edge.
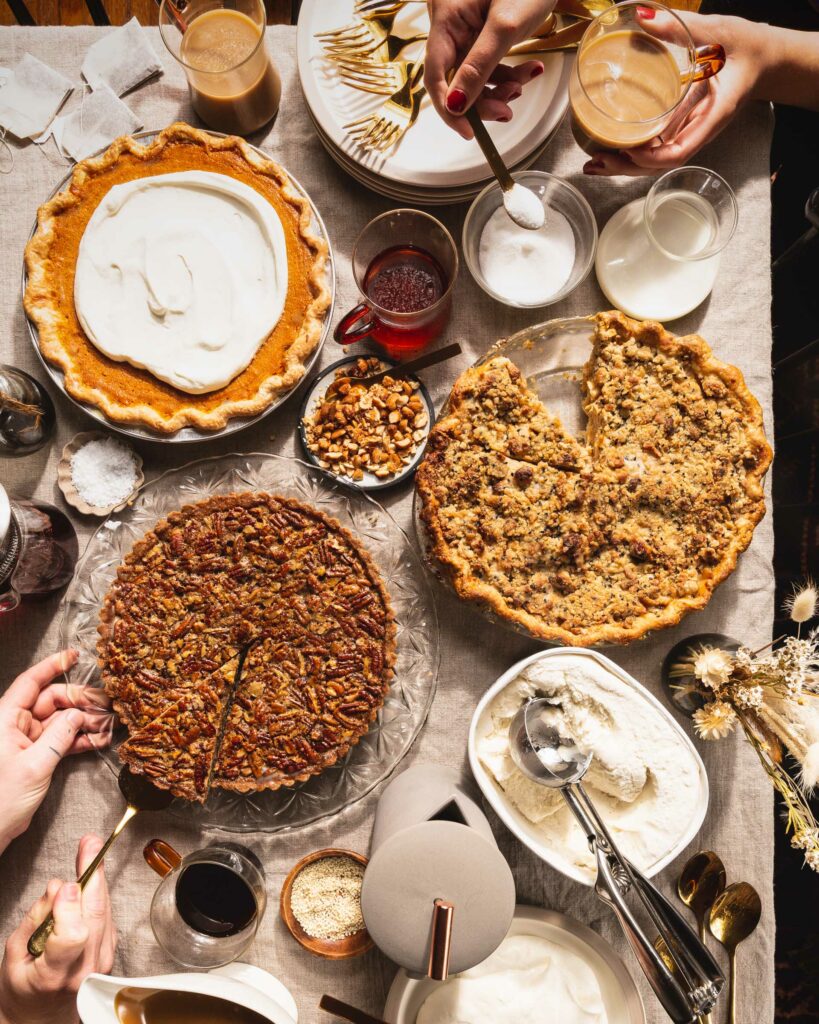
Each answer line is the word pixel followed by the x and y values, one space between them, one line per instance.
pixel 247 643
pixel 601 539
pixel 128 394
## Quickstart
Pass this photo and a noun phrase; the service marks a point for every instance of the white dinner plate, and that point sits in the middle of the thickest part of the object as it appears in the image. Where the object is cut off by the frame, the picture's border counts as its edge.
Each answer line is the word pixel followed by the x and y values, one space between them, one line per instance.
pixel 620 996
pixel 456 162
pixel 419 194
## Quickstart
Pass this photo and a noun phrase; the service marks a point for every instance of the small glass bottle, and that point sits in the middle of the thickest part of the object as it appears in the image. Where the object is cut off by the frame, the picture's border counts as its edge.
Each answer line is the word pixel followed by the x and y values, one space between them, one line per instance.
pixel 27 416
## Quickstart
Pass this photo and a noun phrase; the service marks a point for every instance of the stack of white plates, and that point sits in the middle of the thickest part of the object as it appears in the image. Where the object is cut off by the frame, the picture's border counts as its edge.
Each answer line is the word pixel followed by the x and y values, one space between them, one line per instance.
pixel 431 164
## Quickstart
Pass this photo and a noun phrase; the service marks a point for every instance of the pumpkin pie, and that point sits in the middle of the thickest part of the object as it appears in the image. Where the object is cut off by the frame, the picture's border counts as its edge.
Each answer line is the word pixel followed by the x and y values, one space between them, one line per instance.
pixel 154 391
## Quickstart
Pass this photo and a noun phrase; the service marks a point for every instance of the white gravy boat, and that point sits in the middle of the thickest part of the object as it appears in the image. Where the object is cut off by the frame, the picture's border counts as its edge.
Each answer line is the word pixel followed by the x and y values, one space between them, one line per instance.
pixel 243 984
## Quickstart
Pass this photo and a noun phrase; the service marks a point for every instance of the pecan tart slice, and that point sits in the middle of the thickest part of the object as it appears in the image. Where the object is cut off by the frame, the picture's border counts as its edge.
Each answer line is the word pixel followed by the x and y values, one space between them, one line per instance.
pixel 598 540
pixel 264 583
pixel 176 750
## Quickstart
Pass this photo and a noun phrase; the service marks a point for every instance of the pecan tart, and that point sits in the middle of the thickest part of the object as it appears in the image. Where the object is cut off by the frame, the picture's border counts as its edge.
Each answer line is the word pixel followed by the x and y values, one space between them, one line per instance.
pixel 602 539
pixel 246 643
pixel 145 288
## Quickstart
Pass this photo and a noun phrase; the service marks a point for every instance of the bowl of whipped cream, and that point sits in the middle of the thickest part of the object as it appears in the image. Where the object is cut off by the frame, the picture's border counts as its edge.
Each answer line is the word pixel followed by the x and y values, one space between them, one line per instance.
pixel 646 778
pixel 549 966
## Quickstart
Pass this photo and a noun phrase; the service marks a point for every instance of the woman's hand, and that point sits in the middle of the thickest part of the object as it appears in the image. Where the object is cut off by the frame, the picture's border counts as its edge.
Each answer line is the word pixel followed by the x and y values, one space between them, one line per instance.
pixel 472 37
pixel 44 990
pixel 747 50
pixel 39 725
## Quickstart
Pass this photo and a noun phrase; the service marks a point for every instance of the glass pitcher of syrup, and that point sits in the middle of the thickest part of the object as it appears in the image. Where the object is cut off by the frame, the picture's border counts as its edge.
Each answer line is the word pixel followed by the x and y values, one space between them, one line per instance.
pixel 207 908
pixel 38 549
pixel 404 264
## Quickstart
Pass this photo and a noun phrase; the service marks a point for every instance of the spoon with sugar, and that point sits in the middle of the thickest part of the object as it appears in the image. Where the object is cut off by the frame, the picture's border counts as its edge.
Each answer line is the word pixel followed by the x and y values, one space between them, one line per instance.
pixel 544 753
pixel 522 204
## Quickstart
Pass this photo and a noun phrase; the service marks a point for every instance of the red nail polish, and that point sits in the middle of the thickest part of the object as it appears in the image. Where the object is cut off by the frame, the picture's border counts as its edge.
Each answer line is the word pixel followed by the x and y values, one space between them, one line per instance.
pixel 536 71
pixel 456 101
pixel 646 13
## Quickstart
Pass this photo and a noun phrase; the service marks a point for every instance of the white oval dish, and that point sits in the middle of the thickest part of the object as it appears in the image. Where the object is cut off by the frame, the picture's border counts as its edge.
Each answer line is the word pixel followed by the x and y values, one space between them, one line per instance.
pixel 520 826
pixel 244 984
pixel 620 995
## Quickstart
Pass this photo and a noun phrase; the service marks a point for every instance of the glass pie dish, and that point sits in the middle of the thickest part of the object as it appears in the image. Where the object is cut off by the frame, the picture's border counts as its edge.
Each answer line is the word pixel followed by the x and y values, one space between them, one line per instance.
pixel 417 643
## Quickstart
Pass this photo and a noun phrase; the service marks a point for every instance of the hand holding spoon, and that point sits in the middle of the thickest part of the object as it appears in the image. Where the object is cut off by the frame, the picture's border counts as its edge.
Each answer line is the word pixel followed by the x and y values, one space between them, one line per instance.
pixel 522 204
pixel 140 795
pixel 734 916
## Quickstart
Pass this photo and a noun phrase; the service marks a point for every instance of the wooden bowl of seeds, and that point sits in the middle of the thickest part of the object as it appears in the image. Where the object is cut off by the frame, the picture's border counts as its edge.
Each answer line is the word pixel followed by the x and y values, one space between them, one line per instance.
pixel 321 904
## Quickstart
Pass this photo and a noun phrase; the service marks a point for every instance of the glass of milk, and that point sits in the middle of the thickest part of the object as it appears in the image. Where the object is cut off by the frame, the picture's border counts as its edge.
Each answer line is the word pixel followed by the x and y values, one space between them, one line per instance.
pixel 690 213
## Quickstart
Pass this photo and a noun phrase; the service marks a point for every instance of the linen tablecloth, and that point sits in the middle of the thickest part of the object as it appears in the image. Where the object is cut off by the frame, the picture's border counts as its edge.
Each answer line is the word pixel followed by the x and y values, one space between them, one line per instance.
pixel 84 797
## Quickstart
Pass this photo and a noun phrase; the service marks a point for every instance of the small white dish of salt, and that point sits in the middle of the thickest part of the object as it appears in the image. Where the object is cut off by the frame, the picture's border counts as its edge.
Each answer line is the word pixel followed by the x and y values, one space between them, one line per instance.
pixel 99 474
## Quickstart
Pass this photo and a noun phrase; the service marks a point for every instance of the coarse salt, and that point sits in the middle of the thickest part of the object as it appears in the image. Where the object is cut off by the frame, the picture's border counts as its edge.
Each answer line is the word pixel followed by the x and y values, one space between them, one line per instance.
pixel 326 898
pixel 104 472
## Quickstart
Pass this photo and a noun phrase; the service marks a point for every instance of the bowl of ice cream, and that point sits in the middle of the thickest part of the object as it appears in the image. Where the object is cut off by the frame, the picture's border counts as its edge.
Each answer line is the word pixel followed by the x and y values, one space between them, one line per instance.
pixel 525 268
pixel 546 960
pixel 646 778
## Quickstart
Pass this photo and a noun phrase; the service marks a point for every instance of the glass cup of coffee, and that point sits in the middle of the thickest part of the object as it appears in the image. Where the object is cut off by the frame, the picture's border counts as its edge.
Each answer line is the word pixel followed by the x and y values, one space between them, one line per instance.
pixel 404 264
pixel 634 77
pixel 220 43
pixel 207 908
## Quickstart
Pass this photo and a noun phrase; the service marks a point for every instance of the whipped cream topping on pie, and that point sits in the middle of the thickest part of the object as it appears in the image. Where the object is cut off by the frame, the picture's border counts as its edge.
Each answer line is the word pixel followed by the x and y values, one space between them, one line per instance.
pixel 183 275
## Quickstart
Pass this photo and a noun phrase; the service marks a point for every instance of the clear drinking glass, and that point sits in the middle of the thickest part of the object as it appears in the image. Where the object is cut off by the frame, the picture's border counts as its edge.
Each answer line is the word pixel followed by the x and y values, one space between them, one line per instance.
pixel 690 213
pixel 207 908
pixel 393 253
pixel 220 43
pixel 633 76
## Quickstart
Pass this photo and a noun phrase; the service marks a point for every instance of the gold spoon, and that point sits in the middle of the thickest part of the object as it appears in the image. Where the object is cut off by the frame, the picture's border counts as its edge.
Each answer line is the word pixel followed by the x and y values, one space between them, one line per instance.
pixel 734 916
pixel 140 795
pixel 701 881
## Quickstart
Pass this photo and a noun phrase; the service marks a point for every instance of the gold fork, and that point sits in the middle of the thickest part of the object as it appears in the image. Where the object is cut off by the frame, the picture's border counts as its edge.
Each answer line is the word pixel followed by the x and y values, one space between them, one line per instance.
pixel 372 38
pixel 373 76
pixel 387 126
pixel 380 8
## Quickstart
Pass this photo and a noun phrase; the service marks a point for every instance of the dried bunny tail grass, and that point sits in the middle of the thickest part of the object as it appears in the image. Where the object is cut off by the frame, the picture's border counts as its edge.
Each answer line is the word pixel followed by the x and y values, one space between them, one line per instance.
pixel 809 770
pixel 803 603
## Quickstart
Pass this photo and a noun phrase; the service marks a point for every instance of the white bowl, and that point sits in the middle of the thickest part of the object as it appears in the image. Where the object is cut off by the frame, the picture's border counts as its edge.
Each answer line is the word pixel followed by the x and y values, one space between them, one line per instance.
pixel 556 194
pixel 620 995
pixel 521 827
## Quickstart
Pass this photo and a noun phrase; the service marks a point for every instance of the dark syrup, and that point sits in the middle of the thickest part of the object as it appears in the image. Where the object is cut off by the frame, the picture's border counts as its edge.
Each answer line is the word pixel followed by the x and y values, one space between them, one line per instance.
pixel 152 1006
pixel 214 900
pixel 405 279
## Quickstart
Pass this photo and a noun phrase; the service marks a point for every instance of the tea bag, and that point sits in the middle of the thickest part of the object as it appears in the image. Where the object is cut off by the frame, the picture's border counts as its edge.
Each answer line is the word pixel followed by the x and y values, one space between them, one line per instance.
pixel 122 59
pixel 30 97
pixel 99 119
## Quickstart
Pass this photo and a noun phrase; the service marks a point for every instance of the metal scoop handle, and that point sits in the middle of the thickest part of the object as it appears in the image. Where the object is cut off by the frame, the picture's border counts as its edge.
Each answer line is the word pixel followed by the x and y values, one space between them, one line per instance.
pixel 699 976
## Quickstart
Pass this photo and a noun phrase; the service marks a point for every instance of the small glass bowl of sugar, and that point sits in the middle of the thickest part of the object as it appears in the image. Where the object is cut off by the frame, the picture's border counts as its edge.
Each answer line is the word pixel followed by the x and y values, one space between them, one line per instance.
pixel 529 269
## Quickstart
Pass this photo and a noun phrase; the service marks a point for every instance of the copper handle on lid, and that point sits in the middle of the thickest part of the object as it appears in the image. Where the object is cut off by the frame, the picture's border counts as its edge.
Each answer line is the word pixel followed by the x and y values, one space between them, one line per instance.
pixel 441 942
pixel 161 856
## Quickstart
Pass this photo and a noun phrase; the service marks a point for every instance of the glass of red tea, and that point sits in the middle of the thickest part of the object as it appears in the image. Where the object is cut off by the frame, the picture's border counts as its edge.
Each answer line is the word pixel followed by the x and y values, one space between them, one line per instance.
pixel 405 264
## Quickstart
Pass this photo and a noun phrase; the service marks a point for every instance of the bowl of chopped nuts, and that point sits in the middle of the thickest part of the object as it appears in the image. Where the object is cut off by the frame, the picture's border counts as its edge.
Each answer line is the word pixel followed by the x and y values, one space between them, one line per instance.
pixel 365 425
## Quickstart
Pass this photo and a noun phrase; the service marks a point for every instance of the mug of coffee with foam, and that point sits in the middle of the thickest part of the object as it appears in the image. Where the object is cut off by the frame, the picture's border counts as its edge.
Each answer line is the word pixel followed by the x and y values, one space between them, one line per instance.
pixel 635 77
